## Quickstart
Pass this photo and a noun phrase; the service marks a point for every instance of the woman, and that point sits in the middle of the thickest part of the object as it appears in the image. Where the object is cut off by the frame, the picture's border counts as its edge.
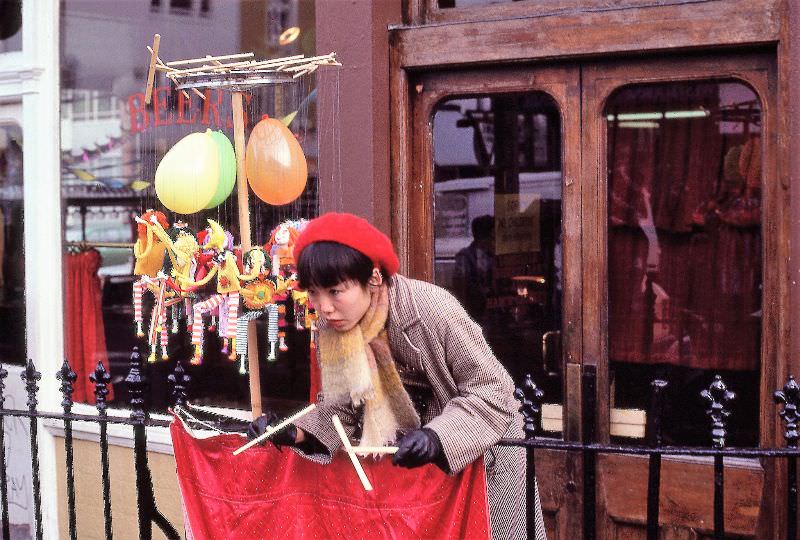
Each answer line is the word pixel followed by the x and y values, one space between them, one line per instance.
pixel 400 356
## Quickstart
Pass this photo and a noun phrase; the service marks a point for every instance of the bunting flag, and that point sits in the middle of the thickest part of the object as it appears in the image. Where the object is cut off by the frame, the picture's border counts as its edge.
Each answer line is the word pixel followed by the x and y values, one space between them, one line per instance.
pixel 267 493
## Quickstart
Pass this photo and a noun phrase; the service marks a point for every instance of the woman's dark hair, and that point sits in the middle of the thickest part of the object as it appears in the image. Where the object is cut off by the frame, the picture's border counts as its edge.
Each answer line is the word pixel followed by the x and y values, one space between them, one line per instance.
pixel 326 264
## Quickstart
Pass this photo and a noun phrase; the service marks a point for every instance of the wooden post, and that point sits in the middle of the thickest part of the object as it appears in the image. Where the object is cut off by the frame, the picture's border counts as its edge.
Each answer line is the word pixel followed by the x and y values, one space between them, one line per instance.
pixel 244 232
pixel 151 73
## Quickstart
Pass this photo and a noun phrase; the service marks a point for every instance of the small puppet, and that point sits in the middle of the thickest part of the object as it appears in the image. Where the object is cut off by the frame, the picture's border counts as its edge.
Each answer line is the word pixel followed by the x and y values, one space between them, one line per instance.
pixel 258 295
pixel 226 299
pixel 281 244
pixel 149 251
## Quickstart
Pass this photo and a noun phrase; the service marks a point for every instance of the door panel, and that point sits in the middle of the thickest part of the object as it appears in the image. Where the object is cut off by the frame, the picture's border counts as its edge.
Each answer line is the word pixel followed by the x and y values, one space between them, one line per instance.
pixel 499 204
pixel 654 254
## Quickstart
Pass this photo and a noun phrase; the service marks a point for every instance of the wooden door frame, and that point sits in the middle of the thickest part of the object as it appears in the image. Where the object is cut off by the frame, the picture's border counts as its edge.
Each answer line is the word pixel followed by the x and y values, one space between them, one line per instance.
pixel 759 71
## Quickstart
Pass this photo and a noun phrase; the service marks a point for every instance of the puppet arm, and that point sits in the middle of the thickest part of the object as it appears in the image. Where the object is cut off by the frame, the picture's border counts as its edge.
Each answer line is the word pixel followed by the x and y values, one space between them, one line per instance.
pixel 206 279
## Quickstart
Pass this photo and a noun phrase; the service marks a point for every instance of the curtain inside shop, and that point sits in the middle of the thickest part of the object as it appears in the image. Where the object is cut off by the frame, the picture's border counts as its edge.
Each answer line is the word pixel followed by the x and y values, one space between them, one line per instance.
pixel 684 237
pixel 85 336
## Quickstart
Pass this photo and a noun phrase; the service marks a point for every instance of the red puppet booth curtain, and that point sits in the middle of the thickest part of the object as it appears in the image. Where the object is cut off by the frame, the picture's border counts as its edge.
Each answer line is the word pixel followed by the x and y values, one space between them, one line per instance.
pixel 85 331
pixel 267 493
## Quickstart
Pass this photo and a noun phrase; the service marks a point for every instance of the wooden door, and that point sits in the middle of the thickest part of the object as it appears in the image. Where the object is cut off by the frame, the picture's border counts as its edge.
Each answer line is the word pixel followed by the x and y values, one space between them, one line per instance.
pixel 483 142
pixel 667 194
pixel 504 142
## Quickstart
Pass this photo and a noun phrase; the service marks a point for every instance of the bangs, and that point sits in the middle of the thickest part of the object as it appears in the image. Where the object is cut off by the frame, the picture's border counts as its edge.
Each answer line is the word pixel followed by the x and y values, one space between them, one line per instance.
pixel 327 264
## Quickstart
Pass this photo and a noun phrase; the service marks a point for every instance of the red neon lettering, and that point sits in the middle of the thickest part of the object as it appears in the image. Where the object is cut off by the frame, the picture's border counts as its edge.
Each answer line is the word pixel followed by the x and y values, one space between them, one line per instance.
pixel 208 105
pixel 185 106
pixel 137 112
pixel 159 104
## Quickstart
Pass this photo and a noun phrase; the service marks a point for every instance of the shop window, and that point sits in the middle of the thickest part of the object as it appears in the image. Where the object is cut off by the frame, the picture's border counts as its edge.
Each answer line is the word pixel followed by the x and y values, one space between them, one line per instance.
pixel 10 25
pixel 685 249
pixel 111 147
pixel 497 227
pixel 12 260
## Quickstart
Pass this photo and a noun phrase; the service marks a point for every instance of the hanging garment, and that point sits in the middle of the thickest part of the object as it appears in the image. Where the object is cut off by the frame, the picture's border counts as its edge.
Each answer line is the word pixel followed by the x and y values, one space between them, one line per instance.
pixel 85 336
pixel 266 493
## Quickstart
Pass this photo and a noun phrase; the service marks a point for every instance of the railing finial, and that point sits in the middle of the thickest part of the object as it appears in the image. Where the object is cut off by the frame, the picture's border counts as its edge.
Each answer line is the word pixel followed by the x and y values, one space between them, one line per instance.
pixel 718 397
pixel 100 378
pixel 180 381
pixel 790 397
pixel 31 377
pixel 136 387
pixel 530 397
pixel 67 377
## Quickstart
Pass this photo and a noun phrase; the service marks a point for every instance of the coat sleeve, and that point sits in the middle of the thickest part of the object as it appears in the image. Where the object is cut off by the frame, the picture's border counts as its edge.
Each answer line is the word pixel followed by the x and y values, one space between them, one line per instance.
pixel 319 425
pixel 482 409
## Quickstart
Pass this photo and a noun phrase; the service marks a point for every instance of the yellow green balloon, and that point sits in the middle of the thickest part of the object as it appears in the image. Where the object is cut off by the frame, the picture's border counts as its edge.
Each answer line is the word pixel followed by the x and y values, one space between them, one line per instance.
pixel 188 175
pixel 227 168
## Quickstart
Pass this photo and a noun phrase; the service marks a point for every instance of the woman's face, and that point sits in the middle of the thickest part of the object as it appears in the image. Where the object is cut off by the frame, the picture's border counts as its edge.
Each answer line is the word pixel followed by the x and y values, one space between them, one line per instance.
pixel 341 306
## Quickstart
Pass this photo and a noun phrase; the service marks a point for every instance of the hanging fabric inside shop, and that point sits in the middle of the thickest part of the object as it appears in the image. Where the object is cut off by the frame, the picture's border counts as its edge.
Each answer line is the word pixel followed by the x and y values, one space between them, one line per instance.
pixel 684 237
pixel 266 493
pixel 85 331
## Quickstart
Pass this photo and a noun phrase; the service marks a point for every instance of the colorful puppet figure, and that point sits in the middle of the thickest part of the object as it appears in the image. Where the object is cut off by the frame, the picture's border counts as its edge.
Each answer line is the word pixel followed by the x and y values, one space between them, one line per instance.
pixel 281 245
pixel 226 299
pixel 149 251
pixel 258 294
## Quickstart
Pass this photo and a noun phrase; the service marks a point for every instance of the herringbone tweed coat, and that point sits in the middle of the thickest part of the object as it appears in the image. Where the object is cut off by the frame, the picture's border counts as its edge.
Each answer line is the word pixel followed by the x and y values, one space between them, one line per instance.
pixel 461 391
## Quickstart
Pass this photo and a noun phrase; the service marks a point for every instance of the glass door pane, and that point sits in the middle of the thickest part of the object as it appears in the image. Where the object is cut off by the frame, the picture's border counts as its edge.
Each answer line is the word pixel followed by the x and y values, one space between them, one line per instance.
pixel 684 250
pixel 497 228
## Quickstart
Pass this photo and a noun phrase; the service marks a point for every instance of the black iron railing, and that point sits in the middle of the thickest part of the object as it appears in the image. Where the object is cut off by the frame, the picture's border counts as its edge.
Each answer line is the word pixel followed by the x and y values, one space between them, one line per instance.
pixel 717 396
pixel 139 420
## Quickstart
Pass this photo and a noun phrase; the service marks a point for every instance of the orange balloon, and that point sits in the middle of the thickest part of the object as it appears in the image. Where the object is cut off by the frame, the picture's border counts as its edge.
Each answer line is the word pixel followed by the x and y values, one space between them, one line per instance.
pixel 275 164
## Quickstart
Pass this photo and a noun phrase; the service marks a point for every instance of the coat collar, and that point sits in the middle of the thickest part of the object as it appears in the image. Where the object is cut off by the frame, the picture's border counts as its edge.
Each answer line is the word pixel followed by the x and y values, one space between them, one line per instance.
pixel 403 310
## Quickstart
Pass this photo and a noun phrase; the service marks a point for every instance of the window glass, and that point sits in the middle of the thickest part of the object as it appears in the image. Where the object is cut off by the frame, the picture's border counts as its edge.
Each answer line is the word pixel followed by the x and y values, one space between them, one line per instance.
pixel 112 144
pixel 10 25
pixel 497 218
pixel 684 250
pixel 12 260
pixel 470 3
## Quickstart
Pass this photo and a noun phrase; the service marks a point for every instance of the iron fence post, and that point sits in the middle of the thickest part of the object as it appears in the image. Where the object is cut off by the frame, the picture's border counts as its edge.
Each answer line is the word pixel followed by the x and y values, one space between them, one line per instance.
pixel 101 378
pixel 30 376
pixel 3 478
pixel 530 398
pixel 790 397
pixel 654 440
pixel 67 377
pixel 718 397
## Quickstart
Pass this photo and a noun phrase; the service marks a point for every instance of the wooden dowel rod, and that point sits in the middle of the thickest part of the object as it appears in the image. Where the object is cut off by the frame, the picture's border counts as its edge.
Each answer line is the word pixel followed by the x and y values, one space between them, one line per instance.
pixel 151 73
pixel 274 429
pixel 207 58
pixel 349 449
pixel 375 449
pixel 243 201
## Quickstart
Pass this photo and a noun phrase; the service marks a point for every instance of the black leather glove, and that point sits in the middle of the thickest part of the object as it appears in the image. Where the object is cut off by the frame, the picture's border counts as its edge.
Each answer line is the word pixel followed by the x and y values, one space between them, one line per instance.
pixel 417 448
pixel 284 437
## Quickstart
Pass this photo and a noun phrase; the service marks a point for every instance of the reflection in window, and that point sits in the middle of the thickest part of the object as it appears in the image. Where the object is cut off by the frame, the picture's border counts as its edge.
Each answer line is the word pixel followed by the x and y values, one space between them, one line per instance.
pixel 684 249
pixel 10 25
pixel 12 260
pixel 112 144
pixel 497 221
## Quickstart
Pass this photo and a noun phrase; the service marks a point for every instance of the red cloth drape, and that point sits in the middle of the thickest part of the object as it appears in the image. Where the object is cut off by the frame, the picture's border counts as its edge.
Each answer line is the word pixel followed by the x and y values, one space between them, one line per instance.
pixel 265 493
pixel 85 337
pixel 690 294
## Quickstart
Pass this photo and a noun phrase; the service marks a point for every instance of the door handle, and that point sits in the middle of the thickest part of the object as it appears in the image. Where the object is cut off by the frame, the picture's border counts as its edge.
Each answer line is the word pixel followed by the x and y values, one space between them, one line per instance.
pixel 551 352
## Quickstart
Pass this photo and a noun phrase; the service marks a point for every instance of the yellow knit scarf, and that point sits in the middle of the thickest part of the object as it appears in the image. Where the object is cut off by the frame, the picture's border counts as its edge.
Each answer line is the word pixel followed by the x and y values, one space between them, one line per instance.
pixel 358 365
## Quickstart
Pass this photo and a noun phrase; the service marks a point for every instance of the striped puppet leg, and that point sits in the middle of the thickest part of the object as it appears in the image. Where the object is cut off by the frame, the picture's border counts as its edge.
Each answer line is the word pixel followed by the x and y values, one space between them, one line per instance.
pixel 231 316
pixel 272 330
pixel 197 324
pixel 242 323
pixel 139 287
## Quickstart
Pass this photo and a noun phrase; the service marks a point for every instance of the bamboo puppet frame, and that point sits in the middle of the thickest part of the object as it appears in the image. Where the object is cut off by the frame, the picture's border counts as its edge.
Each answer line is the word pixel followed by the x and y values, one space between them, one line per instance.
pixel 240 73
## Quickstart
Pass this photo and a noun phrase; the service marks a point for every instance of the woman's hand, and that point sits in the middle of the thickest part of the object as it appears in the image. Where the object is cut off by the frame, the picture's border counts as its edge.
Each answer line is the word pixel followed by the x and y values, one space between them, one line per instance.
pixel 287 436
pixel 418 448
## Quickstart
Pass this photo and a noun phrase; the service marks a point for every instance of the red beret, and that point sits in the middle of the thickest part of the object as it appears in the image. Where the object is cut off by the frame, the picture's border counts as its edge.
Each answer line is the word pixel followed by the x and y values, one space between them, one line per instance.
pixel 354 232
